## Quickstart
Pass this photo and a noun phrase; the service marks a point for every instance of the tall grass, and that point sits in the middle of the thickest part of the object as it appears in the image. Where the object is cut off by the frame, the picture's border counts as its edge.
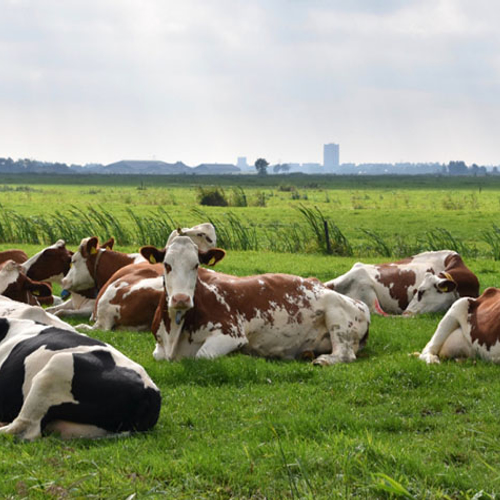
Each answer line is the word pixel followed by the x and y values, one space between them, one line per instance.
pixel 315 233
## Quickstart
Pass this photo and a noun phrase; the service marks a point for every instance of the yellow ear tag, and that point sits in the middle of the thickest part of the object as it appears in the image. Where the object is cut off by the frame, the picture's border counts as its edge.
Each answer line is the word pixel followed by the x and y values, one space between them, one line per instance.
pixel 93 251
pixel 212 261
pixel 152 259
pixel 35 292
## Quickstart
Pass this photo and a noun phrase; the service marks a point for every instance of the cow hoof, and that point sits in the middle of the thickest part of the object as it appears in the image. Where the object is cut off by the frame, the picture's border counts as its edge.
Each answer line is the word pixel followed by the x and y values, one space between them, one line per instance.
pixel 84 327
pixel 430 359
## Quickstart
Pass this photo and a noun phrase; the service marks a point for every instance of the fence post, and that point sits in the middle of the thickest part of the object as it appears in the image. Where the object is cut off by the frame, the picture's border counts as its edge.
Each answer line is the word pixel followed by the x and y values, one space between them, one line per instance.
pixel 327 237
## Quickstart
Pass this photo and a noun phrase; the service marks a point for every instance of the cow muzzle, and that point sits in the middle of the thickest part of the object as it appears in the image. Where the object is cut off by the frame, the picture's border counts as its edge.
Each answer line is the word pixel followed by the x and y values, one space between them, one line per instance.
pixel 181 301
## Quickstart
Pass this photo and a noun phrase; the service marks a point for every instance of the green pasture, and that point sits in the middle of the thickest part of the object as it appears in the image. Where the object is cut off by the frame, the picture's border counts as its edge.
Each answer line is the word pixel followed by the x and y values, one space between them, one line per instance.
pixel 385 426
pixel 393 219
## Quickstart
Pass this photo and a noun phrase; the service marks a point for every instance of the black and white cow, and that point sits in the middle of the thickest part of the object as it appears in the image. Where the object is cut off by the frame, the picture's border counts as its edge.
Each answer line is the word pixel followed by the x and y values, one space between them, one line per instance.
pixel 55 380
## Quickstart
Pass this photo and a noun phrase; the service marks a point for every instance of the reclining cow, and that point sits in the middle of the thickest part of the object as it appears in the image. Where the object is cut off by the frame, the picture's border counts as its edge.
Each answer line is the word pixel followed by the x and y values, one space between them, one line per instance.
pixel 130 297
pixel 205 314
pixel 50 265
pixel 427 282
pixel 470 328
pixel 56 380
pixel 90 267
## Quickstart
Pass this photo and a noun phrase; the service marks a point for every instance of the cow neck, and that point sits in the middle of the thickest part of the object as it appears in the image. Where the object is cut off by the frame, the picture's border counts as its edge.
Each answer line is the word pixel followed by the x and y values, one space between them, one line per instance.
pixel 117 261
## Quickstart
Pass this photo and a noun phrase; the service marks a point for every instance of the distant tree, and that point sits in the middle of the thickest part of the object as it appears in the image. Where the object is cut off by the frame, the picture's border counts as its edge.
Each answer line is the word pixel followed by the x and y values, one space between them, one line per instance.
pixel 261 166
pixel 457 168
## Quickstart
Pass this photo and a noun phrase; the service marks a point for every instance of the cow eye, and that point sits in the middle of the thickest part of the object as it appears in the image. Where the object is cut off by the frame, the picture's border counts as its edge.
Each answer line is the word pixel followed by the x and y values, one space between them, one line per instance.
pixel 196 267
pixel 168 268
pixel 420 294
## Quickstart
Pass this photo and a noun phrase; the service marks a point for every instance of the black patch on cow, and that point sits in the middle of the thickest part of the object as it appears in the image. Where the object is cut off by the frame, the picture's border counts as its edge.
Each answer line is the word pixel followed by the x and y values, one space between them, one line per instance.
pixel 12 372
pixel 4 328
pixel 111 397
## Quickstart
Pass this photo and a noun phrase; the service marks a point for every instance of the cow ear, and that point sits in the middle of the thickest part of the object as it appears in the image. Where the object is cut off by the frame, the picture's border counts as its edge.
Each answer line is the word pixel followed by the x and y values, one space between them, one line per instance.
pixel 152 254
pixel 108 245
pixel 91 247
pixel 212 256
pixel 446 286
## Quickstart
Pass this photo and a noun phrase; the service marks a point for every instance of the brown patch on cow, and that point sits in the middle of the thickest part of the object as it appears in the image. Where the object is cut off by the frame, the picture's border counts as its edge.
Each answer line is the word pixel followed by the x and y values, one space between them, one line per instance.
pixel 466 280
pixel 51 262
pixel 28 291
pixel 16 255
pixel 397 281
pixel 484 318
pixel 136 309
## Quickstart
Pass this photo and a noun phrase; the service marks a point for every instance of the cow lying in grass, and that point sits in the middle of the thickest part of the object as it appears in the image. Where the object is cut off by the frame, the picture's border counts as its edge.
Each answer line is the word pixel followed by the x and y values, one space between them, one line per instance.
pixel 205 314
pixel 56 380
pixel 427 282
pixel 470 328
pixel 130 297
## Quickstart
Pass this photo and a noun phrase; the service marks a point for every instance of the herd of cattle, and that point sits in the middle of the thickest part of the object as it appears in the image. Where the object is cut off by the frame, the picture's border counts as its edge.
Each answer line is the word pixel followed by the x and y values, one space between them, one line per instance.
pixel 54 378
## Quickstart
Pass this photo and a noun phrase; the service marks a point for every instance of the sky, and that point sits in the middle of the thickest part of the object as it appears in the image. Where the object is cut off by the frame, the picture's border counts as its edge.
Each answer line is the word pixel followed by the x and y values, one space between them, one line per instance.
pixel 211 80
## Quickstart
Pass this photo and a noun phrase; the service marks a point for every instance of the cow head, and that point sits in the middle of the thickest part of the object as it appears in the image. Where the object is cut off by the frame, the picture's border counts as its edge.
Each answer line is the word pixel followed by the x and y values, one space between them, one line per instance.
pixel 435 293
pixel 50 264
pixel 203 235
pixel 17 286
pixel 83 262
pixel 181 260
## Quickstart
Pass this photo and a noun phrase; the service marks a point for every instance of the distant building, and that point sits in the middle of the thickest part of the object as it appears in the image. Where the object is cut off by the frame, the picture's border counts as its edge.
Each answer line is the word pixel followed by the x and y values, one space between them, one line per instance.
pixel 242 162
pixel 331 156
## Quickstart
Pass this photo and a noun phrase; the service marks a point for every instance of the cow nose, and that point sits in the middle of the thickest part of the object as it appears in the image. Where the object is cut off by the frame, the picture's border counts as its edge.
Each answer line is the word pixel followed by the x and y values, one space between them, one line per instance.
pixel 181 301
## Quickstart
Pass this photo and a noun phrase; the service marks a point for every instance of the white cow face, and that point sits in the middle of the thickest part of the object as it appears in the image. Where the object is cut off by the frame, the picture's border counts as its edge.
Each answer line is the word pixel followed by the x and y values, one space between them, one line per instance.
pixel 181 259
pixel 79 277
pixel 435 293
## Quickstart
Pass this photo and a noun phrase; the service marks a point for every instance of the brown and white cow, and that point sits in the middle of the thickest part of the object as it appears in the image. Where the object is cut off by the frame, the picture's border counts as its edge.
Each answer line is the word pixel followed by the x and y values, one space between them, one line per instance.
pixel 17 286
pixel 50 264
pixel 91 266
pixel 205 314
pixel 426 282
pixel 470 328
pixel 18 256
pixel 130 297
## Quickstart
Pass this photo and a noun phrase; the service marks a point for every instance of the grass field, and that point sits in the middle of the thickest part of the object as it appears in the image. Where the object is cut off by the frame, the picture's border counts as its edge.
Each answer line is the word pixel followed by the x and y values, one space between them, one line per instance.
pixel 386 426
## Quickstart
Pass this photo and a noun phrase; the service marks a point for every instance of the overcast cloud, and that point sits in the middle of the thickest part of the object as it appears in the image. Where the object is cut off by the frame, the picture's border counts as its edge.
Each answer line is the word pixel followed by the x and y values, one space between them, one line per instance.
pixel 210 80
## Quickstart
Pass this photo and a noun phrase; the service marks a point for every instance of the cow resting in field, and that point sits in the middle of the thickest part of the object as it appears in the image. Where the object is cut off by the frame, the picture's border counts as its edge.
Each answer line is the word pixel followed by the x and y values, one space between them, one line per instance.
pixel 56 380
pixel 205 314
pixel 470 328
pixel 91 266
pixel 130 297
pixel 426 282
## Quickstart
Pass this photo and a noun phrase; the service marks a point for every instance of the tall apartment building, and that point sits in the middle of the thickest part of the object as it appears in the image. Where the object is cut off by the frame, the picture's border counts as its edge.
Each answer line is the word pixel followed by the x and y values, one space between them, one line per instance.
pixel 331 156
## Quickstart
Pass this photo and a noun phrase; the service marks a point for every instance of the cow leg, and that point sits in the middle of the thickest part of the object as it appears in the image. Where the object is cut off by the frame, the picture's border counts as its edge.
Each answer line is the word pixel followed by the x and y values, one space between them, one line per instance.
pixel 447 326
pixel 342 347
pixel 50 387
pixel 347 323
pixel 220 344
